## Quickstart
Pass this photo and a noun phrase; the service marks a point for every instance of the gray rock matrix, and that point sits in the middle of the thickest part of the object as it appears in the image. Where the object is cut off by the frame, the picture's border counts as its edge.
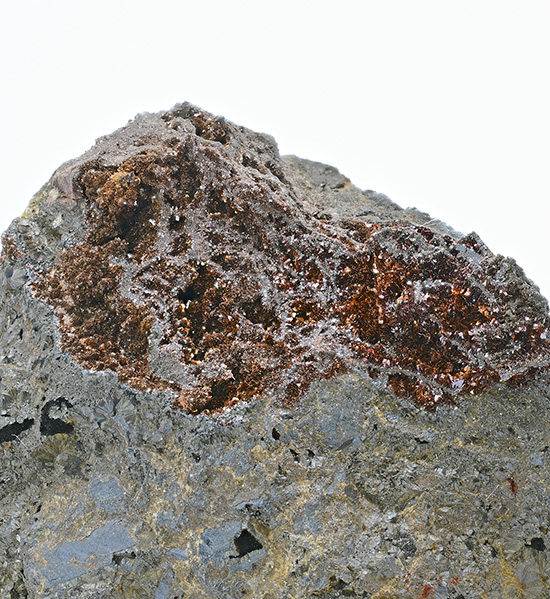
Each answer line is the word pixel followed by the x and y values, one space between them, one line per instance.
pixel 114 485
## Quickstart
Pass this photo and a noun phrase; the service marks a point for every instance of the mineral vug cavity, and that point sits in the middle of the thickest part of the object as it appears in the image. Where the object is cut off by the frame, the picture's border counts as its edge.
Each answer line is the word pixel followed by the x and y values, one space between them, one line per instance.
pixel 205 268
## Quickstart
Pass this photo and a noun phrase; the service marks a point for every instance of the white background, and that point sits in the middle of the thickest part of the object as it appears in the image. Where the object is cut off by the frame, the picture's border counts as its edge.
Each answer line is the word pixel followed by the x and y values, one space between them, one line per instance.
pixel 442 105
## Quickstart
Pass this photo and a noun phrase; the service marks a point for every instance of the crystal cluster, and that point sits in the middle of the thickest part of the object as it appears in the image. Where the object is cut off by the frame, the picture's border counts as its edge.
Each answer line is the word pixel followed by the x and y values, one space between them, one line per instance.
pixel 204 255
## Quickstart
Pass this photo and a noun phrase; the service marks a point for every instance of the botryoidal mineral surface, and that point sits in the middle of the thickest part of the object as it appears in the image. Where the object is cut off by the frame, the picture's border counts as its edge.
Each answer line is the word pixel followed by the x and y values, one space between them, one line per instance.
pixel 226 373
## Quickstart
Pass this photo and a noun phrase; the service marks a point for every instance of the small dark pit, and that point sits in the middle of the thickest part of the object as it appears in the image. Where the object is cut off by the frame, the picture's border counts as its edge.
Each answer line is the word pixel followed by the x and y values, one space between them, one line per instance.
pixel 536 543
pixel 245 543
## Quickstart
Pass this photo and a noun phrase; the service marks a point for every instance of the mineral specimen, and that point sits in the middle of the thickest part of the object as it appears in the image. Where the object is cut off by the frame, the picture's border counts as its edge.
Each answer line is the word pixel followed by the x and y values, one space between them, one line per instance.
pixel 226 373
pixel 200 252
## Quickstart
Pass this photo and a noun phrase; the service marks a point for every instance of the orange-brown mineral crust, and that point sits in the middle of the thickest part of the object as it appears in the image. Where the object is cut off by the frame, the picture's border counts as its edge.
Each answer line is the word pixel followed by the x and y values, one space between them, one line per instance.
pixel 206 258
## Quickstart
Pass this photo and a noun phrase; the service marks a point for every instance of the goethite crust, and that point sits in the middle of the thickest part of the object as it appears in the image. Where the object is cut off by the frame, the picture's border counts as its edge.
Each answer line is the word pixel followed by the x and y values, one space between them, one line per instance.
pixel 205 269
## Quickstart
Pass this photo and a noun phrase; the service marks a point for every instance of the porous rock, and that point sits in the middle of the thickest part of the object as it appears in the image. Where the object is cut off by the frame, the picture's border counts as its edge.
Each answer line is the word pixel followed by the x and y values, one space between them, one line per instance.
pixel 227 373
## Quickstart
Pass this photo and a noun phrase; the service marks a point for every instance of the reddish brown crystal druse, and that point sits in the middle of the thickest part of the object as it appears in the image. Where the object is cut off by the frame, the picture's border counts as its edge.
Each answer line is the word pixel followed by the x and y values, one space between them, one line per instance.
pixel 105 330
pixel 427 591
pixel 9 249
pixel 251 296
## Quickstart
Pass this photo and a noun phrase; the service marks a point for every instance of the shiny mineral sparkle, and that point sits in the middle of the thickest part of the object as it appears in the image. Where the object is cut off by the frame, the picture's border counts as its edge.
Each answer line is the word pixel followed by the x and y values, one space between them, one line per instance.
pixel 211 262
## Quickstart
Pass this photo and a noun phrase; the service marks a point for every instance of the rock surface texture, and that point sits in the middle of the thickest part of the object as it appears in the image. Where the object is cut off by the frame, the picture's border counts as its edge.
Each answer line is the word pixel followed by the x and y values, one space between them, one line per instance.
pixel 226 373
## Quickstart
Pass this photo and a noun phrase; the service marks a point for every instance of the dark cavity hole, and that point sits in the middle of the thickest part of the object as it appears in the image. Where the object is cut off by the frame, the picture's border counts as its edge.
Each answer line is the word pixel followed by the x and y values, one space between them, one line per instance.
pixel 537 543
pixel 421 441
pixel 52 426
pixel 217 205
pixel 257 313
pixel 120 556
pixel 245 543
pixel 187 295
pixel 176 222
pixel 493 550
pixel 12 431
pixel 275 434
pixel 220 391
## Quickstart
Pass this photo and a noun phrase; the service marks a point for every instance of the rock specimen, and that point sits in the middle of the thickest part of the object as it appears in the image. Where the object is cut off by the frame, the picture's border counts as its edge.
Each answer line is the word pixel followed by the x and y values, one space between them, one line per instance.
pixel 226 373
